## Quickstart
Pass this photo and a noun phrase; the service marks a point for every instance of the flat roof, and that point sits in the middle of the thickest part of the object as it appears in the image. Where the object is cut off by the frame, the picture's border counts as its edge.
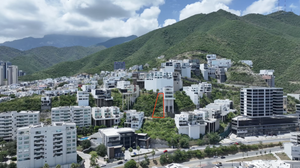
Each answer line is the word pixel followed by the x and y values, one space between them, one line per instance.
pixel 115 131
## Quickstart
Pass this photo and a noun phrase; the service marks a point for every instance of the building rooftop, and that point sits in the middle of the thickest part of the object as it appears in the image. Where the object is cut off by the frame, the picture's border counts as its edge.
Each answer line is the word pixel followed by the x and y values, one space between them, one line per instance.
pixel 115 131
pixel 266 164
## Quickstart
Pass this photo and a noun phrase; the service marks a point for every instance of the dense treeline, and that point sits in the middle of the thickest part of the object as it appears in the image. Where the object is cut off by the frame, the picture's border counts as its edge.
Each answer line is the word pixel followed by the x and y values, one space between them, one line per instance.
pixel 31 103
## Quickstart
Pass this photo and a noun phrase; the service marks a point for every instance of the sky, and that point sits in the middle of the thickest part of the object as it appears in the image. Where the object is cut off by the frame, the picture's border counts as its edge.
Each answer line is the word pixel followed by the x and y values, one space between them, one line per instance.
pixel 115 18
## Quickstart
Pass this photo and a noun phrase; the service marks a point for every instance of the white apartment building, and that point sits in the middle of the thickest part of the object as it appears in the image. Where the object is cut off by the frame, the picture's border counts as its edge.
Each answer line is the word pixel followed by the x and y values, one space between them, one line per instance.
pixel 168 99
pixel 123 84
pixel 83 98
pixel 180 66
pixel 197 91
pixel 210 57
pixel 191 123
pixel 192 92
pixel 157 80
pixel 108 116
pixel 11 121
pixel 88 88
pixel 53 144
pixel 221 63
pixel 292 149
pixel 134 119
pixel 80 115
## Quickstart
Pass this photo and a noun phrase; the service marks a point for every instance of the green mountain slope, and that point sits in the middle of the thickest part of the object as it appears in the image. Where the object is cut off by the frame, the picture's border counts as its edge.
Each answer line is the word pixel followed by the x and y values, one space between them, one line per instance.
pixel 40 58
pixel 7 53
pixel 271 42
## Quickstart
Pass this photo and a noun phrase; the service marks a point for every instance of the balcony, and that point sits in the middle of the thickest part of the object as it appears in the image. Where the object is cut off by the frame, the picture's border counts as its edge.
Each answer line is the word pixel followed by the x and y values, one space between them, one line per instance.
pixel 57 139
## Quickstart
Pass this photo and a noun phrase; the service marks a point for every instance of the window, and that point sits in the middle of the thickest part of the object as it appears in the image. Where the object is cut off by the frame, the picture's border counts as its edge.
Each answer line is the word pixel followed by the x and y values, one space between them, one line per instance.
pixel 38 132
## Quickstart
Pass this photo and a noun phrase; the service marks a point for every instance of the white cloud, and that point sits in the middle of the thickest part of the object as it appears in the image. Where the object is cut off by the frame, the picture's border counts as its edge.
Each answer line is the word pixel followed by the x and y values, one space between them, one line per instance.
pixel 292 6
pixel 206 6
pixel 169 22
pixel 261 7
pixel 100 18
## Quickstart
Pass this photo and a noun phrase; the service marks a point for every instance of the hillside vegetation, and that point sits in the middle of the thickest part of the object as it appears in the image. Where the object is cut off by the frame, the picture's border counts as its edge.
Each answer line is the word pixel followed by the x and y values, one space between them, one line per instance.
pixel 40 58
pixel 270 41
pixel 241 74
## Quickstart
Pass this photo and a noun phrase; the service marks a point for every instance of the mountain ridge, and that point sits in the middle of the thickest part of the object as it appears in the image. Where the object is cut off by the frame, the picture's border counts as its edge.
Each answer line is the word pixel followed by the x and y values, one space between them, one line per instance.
pixel 222 33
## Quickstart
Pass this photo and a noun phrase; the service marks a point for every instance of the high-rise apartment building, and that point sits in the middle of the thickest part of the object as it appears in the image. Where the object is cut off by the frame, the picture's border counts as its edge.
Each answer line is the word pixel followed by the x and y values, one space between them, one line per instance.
pixel 80 115
pixel 261 101
pixel 1 75
pixel 12 74
pixel 10 121
pixel 53 144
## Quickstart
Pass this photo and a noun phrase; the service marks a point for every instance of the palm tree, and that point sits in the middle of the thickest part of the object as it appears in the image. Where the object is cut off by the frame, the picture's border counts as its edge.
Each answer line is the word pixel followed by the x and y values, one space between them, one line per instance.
pixel 58 166
pixel 138 149
pixel 123 151
pixel 130 151
pixel 153 153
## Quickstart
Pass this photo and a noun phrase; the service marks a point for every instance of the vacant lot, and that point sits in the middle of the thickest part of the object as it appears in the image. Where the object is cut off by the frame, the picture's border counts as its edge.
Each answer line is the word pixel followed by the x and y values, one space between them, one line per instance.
pixel 283 156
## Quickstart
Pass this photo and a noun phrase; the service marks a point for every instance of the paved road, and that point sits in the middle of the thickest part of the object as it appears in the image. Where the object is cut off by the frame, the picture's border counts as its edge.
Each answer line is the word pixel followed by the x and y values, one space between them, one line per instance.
pixel 209 161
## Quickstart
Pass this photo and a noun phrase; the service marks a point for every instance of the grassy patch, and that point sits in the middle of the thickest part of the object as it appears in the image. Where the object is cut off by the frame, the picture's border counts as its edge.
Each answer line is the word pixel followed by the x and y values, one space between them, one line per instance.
pixel 283 156
pixel 258 157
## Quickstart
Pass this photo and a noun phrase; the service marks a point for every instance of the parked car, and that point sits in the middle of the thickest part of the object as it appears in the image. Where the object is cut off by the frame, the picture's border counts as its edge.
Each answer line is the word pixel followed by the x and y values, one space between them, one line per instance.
pixel 219 164
pixel 215 156
pixel 165 151
pixel 236 143
pixel 134 153
pixel 125 160
pixel 120 162
pixel 222 157
pixel 103 165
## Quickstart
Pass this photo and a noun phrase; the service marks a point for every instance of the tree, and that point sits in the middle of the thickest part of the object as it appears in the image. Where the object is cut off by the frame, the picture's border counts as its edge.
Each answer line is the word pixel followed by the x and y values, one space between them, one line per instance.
pixel 123 150
pixel 138 149
pixel 101 150
pixel 85 144
pixel 93 159
pixel 147 159
pixel 3 155
pixel 130 150
pixel 75 165
pixel 153 153
pixel 13 165
pixel 46 165
pixel 163 159
pixel 58 166
pixel 130 164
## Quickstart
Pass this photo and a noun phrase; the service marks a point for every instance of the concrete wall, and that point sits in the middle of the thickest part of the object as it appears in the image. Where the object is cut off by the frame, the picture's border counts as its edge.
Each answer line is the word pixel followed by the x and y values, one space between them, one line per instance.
pixel 157 143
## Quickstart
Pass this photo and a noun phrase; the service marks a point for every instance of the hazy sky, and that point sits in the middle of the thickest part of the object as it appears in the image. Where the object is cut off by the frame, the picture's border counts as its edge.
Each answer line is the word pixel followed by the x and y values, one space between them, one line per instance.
pixel 114 18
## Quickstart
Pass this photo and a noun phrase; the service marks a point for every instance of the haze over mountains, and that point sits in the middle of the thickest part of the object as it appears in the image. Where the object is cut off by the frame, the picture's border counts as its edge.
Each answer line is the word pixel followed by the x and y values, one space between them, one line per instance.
pixel 270 41
pixel 40 58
